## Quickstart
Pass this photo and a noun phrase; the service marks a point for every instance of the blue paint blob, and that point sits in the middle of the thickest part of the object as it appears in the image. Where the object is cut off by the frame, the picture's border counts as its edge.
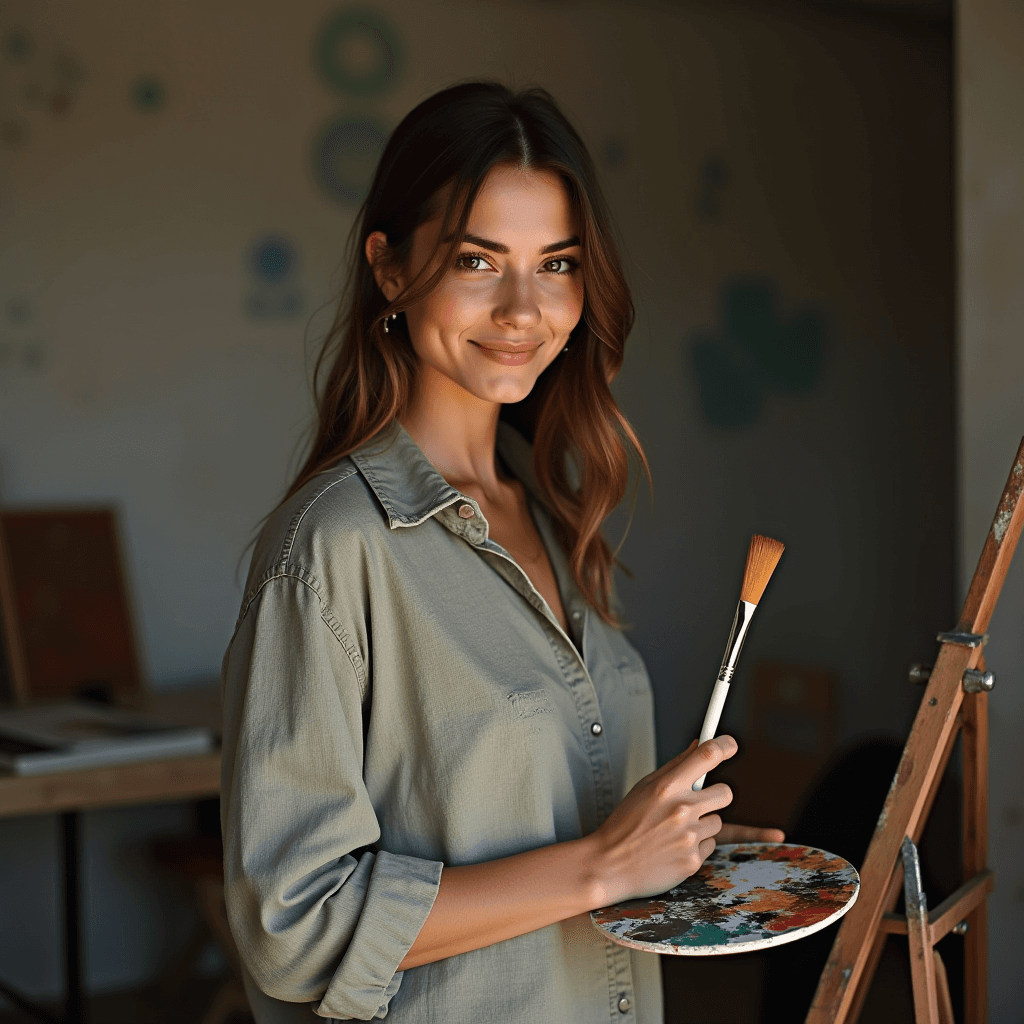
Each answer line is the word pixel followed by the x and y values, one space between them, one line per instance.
pixel 272 258
pixel 754 352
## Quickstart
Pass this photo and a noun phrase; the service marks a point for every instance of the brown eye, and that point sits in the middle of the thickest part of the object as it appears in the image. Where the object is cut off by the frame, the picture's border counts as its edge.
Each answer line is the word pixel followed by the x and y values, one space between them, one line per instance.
pixel 561 265
pixel 468 261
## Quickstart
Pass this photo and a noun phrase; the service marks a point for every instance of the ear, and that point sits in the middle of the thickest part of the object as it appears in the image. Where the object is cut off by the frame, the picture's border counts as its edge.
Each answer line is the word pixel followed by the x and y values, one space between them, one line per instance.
pixel 391 285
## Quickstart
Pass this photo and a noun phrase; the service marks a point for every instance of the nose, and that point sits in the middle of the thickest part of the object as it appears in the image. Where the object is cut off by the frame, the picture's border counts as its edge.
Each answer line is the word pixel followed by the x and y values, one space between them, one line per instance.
pixel 516 304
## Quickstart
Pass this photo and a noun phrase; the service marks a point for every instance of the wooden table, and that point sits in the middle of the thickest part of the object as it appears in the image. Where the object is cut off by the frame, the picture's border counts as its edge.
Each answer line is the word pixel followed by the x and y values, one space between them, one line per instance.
pixel 67 794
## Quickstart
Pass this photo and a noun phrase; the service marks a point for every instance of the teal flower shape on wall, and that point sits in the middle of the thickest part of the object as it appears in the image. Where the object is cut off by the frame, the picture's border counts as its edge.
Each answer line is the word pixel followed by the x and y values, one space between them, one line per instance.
pixel 755 351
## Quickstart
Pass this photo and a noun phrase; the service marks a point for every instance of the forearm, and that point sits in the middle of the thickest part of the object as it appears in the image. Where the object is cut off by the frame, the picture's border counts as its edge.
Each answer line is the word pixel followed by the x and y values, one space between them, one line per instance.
pixel 480 904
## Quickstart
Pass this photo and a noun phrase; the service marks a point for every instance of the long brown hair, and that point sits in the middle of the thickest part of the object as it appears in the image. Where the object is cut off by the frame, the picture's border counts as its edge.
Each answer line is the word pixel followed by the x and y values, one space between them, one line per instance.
pixel 434 164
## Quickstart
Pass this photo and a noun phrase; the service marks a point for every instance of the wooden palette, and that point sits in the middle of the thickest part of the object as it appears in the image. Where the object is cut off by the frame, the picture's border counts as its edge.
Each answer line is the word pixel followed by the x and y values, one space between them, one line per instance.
pixel 745 896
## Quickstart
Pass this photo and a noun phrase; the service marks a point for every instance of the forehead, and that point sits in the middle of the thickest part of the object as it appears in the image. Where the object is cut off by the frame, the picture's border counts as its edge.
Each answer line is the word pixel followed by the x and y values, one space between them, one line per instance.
pixel 523 204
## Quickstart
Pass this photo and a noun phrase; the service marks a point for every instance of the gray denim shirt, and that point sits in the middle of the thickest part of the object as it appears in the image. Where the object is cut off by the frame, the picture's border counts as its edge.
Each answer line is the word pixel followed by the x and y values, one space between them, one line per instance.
pixel 399 697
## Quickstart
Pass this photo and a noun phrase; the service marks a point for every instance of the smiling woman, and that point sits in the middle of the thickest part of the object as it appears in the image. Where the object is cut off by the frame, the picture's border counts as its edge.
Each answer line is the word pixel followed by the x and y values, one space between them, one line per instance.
pixel 438 745
pixel 429 261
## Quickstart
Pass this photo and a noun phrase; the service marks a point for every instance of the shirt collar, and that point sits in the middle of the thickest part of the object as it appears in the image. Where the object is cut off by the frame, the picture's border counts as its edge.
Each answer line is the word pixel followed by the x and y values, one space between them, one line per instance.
pixel 412 490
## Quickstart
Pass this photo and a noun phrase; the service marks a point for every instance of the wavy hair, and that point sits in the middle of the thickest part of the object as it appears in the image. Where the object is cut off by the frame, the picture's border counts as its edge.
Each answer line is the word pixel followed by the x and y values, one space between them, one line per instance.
pixel 434 164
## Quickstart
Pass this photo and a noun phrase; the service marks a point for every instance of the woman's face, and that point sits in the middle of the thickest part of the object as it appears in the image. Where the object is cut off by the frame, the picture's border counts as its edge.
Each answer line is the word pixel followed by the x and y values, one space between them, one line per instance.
pixel 505 309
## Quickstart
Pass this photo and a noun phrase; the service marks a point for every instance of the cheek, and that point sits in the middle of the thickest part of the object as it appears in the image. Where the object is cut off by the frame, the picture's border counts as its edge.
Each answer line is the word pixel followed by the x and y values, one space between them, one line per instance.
pixel 567 311
pixel 449 310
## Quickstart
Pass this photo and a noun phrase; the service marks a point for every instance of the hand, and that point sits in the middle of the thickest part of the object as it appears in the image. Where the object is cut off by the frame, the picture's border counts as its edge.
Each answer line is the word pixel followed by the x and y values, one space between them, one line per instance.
pixel 662 831
pixel 750 834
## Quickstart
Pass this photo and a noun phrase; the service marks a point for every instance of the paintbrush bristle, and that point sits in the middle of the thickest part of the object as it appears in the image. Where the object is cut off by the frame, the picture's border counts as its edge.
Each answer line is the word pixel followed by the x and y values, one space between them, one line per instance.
pixel 762 558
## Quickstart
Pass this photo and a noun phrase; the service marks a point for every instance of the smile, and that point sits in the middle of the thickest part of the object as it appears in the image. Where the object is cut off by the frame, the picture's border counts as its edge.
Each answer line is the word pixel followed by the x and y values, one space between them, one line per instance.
pixel 508 354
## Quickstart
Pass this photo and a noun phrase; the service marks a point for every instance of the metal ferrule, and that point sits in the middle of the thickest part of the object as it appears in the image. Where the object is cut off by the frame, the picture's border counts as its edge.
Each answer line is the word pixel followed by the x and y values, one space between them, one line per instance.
pixel 738 633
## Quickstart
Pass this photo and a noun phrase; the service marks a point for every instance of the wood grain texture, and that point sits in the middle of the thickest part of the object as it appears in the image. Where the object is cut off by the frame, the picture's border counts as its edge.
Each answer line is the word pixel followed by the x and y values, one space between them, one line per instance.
pixel 975 772
pixel 144 782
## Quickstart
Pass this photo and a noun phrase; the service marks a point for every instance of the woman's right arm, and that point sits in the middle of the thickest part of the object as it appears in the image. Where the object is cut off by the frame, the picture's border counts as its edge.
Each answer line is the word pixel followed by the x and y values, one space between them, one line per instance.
pixel 660 834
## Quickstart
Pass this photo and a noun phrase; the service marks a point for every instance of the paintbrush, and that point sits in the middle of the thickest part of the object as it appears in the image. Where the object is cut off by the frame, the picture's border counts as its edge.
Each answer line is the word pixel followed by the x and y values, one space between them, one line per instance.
pixel 763 556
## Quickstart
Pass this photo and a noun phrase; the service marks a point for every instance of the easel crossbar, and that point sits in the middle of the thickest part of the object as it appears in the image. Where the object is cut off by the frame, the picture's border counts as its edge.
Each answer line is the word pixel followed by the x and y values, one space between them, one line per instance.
pixel 950 912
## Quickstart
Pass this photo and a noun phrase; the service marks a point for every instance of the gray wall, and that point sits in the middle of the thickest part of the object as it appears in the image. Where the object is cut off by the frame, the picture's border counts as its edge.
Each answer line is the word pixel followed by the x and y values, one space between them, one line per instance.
pixel 990 143
pixel 797 149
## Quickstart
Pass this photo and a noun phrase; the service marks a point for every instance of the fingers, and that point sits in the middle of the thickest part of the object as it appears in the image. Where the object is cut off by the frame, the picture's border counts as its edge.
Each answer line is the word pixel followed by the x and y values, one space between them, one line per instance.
pixel 706 848
pixel 709 826
pixel 707 756
pixel 730 833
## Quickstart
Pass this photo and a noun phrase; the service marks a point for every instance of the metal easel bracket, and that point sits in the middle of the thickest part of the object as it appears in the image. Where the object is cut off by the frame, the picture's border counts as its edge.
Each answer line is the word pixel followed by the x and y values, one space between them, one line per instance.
pixel 975 680
pixel 963 639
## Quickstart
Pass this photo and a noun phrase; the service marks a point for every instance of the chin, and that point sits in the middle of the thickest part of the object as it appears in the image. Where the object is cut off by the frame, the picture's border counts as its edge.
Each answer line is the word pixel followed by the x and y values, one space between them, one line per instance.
pixel 504 389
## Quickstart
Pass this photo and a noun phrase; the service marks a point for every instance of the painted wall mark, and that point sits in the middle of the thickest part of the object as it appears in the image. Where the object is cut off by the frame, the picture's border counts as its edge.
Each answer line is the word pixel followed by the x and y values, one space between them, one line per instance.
pixel 38 74
pixel 148 94
pixel 275 293
pixel 358 52
pixel 754 351
pixel 345 154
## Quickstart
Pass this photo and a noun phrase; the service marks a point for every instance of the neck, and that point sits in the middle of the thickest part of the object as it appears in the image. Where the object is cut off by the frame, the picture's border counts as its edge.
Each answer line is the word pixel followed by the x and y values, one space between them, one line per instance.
pixel 455 430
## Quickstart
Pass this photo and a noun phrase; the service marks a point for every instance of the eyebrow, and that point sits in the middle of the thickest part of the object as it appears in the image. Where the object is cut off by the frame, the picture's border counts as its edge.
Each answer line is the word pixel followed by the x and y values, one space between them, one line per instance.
pixel 486 243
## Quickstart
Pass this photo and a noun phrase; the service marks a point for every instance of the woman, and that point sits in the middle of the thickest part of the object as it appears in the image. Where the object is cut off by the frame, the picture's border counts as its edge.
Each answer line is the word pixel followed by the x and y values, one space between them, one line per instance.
pixel 438 746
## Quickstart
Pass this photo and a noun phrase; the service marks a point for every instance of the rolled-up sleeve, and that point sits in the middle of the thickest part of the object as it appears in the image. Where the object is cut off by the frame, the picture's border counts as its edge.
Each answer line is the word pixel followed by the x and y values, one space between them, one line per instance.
pixel 318 913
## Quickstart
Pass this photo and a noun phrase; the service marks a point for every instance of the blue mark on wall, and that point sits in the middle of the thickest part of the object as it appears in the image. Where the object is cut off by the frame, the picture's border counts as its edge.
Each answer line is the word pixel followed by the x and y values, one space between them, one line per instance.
pixel 275 294
pixel 755 351
pixel 345 155
pixel 359 52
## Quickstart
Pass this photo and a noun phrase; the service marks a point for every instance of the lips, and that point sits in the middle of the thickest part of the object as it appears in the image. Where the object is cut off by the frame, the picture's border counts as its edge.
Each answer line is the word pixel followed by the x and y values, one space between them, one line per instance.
pixel 505 346
pixel 506 353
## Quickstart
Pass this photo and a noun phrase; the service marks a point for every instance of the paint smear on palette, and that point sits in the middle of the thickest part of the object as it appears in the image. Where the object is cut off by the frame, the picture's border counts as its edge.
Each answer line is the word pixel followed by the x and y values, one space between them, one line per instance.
pixel 745 896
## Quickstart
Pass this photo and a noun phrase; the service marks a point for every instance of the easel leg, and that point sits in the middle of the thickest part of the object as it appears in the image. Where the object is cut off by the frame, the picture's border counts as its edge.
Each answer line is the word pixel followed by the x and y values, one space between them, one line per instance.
pixel 942 990
pixel 922 963
pixel 975 733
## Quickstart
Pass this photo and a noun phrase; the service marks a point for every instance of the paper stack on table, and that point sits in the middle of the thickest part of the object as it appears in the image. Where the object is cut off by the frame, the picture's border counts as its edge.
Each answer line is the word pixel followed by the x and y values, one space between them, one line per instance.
pixel 76 734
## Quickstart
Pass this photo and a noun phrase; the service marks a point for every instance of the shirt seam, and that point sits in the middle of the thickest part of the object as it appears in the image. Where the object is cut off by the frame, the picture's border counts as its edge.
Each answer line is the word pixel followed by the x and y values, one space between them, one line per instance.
pixel 327 616
pixel 293 528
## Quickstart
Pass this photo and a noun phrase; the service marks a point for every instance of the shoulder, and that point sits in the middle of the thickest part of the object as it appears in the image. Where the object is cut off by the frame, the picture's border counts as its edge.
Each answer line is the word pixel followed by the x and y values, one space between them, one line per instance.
pixel 320 529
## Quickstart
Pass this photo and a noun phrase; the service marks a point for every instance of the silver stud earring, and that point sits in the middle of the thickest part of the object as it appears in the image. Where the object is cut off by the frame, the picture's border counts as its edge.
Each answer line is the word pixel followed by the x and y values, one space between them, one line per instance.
pixel 566 349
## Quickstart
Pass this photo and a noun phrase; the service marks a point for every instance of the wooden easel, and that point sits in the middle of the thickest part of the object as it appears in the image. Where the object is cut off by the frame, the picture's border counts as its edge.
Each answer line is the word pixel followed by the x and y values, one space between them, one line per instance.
pixel 956 699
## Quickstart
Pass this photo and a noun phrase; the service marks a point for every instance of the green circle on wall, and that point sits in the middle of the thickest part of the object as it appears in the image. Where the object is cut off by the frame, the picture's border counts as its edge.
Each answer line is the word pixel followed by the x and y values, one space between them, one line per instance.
pixel 358 52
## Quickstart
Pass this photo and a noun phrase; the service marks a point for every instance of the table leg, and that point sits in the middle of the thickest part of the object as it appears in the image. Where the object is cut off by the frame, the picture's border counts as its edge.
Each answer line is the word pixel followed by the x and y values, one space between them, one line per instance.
pixel 74 1005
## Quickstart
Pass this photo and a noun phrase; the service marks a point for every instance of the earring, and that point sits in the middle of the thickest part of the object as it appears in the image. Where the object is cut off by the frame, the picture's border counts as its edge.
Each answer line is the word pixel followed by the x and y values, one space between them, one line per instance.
pixel 386 319
pixel 566 349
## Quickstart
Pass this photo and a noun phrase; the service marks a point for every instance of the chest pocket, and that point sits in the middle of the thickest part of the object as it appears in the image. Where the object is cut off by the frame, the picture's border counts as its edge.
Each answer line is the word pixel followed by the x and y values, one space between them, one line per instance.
pixel 528 703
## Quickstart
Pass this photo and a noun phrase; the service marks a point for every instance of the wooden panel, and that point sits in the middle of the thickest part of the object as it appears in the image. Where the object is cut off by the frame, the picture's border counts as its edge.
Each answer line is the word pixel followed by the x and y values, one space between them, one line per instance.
pixel 181 778
pixel 70 625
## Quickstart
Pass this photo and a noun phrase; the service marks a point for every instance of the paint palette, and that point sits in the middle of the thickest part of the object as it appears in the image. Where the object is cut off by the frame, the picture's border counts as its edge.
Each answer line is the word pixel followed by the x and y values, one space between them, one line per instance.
pixel 745 896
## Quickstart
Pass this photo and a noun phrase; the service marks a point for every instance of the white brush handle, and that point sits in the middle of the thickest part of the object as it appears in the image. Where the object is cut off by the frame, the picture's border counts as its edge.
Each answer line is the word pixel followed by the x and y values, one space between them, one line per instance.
pixel 712 718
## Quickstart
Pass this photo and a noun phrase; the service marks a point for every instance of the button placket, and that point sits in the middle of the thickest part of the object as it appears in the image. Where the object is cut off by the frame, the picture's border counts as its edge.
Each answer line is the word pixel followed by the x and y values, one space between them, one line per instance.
pixel 569 659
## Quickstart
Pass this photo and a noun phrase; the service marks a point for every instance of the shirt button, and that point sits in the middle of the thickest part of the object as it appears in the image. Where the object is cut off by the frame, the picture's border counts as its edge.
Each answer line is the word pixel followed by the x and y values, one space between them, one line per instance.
pixel 575 615
pixel 624 1004
pixel 466 511
pixel 596 729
